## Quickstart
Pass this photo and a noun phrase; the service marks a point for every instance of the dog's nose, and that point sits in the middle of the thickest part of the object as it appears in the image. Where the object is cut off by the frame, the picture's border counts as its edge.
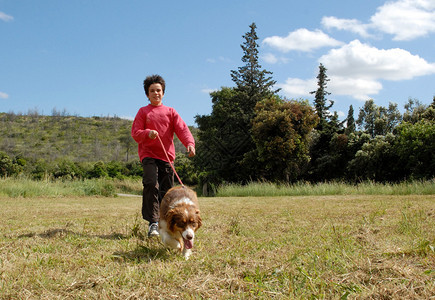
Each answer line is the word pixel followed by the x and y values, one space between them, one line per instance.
pixel 189 236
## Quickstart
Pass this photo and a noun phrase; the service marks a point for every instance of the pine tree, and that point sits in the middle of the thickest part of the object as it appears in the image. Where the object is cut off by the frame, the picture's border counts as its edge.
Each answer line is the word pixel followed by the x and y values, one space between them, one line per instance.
pixel 253 83
pixel 225 134
pixel 350 121
pixel 320 101
pixel 322 162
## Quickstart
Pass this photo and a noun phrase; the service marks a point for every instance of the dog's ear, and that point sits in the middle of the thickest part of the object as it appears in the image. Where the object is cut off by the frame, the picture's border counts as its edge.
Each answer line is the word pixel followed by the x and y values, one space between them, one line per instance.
pixel 170 218
pixel 169 214
pixel 198 218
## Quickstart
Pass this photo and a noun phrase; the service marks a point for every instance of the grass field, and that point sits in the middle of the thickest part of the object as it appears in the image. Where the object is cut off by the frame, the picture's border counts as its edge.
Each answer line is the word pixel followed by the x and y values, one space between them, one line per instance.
pixel 345 246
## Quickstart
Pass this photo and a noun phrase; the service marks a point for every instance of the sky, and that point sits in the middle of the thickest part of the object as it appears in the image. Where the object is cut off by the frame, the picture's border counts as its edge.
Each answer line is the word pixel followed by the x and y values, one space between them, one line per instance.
pixel 90 57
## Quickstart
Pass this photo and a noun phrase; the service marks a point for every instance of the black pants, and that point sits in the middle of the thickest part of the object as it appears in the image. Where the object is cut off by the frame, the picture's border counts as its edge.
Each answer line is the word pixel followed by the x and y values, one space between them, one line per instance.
pixel 157 179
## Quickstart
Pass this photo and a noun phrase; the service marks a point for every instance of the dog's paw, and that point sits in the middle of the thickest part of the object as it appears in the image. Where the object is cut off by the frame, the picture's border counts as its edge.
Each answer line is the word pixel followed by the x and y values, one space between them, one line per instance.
pixel 187 253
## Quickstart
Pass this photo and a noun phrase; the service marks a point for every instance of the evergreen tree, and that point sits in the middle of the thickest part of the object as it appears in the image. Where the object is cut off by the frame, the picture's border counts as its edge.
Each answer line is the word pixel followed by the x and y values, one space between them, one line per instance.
pixel 320 101
pixel 252 83
pixel 350 121
pixel 322 146
pixel 225 135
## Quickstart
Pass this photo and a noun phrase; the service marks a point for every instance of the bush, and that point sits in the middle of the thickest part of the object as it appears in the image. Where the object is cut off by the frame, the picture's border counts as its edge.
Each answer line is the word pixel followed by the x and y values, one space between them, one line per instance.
pixel 99 170
pixel 115 169
pixel 133 169
pixel 376 160
pixel 67 169
pixel 415 146
pixel 8 167
pixel 186 170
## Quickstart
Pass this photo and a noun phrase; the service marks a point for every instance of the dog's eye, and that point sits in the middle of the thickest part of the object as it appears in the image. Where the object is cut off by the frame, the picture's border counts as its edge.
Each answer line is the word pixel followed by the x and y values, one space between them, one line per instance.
pixel 193 223
pixel 181 223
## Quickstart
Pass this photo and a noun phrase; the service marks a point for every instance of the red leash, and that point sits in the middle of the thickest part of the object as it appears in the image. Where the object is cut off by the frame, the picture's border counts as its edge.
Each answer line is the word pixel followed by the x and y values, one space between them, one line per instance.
pixel 167 157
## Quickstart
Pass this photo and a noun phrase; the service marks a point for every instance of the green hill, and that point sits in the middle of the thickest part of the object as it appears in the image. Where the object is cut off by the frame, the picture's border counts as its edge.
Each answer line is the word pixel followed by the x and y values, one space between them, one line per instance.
pixel 78 139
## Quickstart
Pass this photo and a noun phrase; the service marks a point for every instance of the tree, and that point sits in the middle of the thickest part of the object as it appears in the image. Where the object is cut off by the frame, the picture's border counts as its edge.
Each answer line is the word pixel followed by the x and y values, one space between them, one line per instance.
pixel 376 160
pixel 429 113
pixel 186 169
pixel 280 131
pixel 6 165
pixel 253 83
pixel 393 118
pixel 350 121
pixel 415 146
pixel 127 141
pixel 378 120
pixel 414 111
pixel 320 101
pixel 223 139
pixel 328 126
pixel 225 144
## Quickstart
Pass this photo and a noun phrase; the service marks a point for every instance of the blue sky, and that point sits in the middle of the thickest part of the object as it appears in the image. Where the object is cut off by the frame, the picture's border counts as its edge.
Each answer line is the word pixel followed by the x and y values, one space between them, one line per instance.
pixel 90 57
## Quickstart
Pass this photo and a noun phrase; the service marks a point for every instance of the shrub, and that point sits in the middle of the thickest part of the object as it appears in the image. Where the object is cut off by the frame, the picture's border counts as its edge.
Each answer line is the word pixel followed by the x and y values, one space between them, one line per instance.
pixel 8 167
pixel 99 170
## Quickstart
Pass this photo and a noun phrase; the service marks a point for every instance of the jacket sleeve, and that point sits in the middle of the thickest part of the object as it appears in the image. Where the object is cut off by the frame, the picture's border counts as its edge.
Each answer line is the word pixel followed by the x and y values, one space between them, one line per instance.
pixel 138 131
pixel 182 131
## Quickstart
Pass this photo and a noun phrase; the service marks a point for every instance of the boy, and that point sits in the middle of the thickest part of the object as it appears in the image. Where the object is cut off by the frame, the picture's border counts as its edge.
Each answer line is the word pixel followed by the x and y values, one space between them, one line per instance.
pixel 153 121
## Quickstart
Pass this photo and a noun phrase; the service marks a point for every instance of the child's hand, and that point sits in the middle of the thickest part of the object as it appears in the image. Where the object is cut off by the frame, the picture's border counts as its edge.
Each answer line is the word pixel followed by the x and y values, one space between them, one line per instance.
pixel 191 150
pixel 153 134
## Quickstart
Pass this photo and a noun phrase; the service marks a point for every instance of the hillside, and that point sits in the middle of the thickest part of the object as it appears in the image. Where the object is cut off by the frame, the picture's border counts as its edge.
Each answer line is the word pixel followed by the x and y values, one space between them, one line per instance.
pixel 74 138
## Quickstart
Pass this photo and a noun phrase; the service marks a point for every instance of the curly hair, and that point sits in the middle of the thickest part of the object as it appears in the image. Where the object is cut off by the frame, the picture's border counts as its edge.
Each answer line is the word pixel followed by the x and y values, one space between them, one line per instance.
pixel 151 80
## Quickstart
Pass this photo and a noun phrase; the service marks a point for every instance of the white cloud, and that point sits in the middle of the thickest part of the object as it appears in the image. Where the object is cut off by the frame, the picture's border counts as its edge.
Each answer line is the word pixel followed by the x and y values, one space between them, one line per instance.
pixel 341 114
pixel 357 60
pixel 358 88
pixel 219 59
pixel 270 58
pixel 295 87
pixel 352 25
pixel 3 95
pixel 5 17
pixel 406 19
pixel 273 59
pixel 208 91
pixel 301 40
pixel 357 69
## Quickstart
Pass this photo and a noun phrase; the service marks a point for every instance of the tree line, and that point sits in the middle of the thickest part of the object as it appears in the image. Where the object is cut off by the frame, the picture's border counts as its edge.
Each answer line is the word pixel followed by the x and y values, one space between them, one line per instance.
pixel 251 134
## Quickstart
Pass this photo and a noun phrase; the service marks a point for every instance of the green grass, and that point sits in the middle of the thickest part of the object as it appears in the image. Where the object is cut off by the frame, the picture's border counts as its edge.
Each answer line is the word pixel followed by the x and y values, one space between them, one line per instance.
pixel 22 187
pixel 284 247
pixel 255 189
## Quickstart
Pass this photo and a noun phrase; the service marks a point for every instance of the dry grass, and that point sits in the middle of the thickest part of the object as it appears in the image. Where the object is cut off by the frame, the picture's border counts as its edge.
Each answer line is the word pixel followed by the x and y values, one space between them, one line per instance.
pixel 365 247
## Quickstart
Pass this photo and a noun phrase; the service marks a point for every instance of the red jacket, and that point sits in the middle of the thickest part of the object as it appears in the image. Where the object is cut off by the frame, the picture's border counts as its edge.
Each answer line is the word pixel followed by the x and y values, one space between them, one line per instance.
pixel 166 121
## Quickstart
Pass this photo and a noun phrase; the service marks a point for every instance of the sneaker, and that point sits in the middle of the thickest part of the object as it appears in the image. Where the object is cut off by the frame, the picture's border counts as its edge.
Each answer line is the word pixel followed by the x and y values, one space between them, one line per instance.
pixel 153 230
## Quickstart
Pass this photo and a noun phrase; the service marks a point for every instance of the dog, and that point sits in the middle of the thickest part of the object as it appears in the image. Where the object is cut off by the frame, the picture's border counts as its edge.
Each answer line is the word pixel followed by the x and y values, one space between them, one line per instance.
pixel 179 219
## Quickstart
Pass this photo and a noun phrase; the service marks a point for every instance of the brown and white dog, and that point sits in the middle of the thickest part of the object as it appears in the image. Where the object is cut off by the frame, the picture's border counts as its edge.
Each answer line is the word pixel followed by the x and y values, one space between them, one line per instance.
pixel 179 219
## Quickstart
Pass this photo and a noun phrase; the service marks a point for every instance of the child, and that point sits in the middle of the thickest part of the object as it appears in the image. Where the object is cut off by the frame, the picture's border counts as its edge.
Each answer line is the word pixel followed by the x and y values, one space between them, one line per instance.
pixel 153 121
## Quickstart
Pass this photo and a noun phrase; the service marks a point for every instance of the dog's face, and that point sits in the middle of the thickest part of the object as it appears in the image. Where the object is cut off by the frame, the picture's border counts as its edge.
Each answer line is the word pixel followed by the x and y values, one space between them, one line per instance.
pixel 185 219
